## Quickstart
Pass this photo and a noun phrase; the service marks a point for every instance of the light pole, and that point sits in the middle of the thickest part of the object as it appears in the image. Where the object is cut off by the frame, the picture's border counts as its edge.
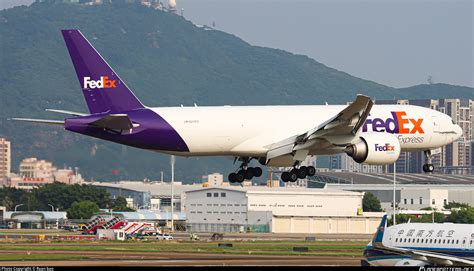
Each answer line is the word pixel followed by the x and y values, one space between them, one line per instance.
pixel 173 160
pixel 394 193
pixel 57 218
pixel 52 210
pixel 18 206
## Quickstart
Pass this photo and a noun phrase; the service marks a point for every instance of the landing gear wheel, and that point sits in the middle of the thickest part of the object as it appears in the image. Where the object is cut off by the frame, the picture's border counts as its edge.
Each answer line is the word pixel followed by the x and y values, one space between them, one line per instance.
pixel 236 177
pixel 302 172
pixel 311 171
pixel 248 173
pixel 428 168
pixel 239 177
pixel 232 177
pixel 257 171
pixel 293 175
pixel 285 176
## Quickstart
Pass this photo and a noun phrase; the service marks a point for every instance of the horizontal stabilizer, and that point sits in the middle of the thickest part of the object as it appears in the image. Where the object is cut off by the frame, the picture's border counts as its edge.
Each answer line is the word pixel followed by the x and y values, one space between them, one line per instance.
pixel 57 122
pixel 114 122
pixel 66 112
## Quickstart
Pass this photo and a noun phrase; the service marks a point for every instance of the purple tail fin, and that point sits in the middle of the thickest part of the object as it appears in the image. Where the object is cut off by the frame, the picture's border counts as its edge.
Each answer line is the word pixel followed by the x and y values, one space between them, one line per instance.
pixel 103 89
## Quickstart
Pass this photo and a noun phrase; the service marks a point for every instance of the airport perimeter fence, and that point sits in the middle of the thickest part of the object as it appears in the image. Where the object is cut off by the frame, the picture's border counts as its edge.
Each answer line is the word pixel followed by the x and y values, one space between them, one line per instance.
pixel 210 227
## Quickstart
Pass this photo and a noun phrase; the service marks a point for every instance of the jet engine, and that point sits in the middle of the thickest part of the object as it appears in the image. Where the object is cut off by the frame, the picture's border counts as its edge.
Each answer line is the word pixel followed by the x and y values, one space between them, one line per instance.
pixel 375 149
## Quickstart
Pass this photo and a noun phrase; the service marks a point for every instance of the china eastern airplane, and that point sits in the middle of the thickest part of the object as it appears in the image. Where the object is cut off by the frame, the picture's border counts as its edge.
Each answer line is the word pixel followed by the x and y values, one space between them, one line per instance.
pixel 421 244
pixel 273 135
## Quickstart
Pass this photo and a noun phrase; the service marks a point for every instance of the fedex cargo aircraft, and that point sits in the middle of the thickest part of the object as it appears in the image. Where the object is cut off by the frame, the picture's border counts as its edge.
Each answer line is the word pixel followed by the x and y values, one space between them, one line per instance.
pixel 272 135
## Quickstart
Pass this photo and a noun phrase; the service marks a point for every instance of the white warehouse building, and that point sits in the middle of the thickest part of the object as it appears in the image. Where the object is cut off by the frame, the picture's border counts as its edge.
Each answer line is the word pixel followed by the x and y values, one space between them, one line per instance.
pixel 416 199
pixel 279 210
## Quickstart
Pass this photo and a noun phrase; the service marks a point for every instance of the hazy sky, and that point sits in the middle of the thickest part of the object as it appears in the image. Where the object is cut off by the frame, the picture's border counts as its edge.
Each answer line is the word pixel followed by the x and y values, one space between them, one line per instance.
pixel 394 42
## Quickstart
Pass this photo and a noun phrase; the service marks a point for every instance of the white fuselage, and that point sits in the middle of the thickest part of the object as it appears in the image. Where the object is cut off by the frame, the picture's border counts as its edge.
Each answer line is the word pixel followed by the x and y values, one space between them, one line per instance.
pixel 455 240
pixel 250 130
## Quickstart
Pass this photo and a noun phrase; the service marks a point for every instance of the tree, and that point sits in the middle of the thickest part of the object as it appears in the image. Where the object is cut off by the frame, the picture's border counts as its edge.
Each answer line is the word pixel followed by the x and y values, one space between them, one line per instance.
pixel 463 215
pixel 82 210
pixel 454 204
pixel 371 203
pixel 7 202
pixel 120 205
pixel 11 197
pixel 401 218
pixel 63 196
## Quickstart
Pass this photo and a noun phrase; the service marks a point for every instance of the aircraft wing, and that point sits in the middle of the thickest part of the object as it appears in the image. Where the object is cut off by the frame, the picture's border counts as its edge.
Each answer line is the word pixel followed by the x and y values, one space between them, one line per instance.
pixel 416 254
pixel 343 125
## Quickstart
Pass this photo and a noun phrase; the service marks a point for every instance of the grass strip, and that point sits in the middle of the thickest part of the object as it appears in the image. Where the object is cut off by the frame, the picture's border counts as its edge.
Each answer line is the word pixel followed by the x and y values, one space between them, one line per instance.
pixel 39 257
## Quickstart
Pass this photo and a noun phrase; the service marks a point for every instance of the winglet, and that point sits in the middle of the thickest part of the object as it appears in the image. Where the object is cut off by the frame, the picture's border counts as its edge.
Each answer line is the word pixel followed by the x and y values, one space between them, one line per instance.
pixel 378 237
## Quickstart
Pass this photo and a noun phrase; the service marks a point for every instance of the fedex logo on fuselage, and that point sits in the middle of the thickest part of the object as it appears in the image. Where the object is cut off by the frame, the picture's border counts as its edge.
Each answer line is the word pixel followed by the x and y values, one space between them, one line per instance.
pixel 386 147
pixel 397 124
pixel 103 82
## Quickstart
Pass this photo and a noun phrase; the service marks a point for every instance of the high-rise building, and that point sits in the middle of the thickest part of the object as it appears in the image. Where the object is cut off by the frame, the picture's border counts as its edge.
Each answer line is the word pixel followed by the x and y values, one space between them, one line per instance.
pixel 456 156
pixel 5 158
pixel 344 162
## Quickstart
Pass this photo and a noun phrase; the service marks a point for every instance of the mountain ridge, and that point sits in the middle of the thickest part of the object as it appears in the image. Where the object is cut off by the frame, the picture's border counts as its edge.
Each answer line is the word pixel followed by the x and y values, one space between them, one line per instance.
pixel 167 61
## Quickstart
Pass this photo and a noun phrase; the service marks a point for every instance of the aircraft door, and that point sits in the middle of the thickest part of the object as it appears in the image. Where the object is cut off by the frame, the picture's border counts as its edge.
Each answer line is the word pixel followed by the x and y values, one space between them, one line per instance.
pixel 435 120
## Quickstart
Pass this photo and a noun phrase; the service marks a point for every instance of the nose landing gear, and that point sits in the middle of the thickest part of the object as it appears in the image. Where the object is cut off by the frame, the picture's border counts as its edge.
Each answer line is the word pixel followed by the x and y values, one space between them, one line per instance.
pixel 428 167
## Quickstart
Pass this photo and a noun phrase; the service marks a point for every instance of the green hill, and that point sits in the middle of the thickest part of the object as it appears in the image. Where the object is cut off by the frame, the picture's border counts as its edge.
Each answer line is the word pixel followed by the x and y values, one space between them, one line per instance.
pixel 167 61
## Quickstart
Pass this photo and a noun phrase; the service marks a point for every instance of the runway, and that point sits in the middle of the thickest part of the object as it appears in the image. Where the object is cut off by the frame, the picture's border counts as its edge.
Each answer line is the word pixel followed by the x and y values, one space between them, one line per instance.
pixel 116 258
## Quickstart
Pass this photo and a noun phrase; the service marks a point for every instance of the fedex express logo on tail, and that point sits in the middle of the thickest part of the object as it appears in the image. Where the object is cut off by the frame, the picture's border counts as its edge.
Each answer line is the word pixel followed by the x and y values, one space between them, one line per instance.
pixel 103 82
pixel 399 123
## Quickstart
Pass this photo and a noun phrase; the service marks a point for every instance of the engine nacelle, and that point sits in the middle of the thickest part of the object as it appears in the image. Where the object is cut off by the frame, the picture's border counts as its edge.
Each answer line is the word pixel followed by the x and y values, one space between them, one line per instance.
pixel 409 262
pixel 375 149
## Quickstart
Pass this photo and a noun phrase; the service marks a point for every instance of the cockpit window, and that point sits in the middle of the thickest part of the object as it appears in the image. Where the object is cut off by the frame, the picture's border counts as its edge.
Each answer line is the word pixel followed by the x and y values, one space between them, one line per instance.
pixel 452 121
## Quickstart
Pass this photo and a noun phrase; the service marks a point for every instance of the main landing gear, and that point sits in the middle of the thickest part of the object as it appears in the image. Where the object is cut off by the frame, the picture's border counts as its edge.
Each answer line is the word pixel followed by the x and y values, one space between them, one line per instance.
pixel 297 173
pixel 245 172
pixel 428 167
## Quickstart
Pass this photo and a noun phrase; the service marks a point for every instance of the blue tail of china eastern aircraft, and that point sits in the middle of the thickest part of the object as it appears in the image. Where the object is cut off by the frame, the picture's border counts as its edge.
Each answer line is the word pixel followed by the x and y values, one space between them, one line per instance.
pixel 103 89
